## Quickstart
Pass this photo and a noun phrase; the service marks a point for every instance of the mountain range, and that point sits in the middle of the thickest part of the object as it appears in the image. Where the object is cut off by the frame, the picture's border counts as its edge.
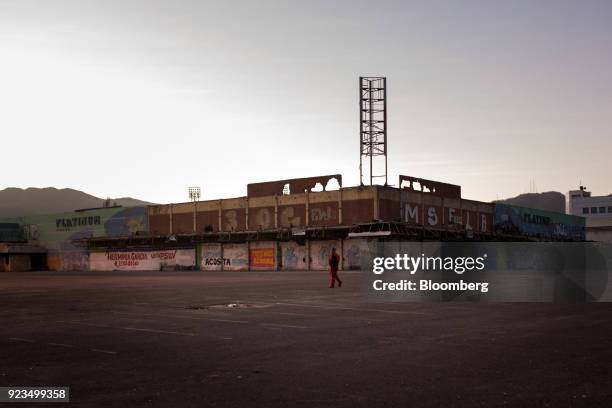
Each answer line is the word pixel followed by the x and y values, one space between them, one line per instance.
pixel 549 201
pixel 15 202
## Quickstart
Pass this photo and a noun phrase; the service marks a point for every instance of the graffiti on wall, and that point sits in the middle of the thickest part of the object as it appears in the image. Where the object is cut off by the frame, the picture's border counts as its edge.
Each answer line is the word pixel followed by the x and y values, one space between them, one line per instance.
pixel 212 257
pixel 237 257
pixel 57 232
pixel 436 216
pixel 293 256
pixel 511 219
pixel 323 214
pixel 354 249
pixel 320 252
pixel 142 260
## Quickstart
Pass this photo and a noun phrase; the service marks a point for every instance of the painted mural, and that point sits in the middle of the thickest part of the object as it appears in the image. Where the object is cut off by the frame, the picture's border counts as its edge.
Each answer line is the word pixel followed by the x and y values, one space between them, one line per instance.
pixel 57 232
pixel 511 219
pixel 293 256
pixel 353 252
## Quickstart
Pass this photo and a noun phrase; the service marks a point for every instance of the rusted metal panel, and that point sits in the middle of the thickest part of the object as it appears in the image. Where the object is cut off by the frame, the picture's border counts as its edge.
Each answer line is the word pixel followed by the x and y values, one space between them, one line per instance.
pixel 159 219
pixel 159 224
pixel 389 203
pixel 357 211
pixel 182 223
pixel 389 210
pixel 207 221
pixel 296 185
pixel 358 204
pixel 430 186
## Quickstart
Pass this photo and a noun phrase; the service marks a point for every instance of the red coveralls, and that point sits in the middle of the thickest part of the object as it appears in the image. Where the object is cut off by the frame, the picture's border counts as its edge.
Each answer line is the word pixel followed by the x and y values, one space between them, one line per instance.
pixel 334 262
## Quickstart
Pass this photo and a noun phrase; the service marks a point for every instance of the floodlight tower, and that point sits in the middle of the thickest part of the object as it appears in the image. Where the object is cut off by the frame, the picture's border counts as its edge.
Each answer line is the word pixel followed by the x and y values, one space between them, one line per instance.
pixel 194 193
pixel 194 196
pixel 373 126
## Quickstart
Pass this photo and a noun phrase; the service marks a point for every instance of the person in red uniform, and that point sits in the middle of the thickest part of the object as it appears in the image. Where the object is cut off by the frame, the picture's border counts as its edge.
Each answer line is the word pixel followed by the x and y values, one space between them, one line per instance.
pixel 334 262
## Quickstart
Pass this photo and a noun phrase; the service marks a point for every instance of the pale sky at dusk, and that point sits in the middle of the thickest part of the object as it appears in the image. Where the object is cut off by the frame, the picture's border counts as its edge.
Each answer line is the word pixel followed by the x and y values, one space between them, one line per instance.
pixel 145 98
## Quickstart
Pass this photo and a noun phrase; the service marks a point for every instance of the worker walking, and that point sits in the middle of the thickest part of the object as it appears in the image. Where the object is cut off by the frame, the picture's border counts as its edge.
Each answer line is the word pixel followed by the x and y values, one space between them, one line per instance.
pixel 334 262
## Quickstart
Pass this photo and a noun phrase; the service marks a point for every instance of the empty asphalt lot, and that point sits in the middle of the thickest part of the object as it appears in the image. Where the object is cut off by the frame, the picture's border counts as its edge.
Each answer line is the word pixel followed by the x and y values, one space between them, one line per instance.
pixel 166 339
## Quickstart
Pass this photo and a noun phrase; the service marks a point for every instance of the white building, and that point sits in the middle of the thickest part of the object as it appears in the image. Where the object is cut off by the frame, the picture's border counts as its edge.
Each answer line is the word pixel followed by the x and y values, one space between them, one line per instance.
pixel 597 211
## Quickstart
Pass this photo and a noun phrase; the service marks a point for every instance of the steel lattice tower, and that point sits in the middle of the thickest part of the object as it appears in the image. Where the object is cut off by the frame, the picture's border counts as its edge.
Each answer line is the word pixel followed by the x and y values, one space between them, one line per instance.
pixel 372 124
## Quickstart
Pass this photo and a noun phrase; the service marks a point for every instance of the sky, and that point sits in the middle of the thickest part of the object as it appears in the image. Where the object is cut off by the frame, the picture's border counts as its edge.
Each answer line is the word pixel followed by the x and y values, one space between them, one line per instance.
pixel 145 98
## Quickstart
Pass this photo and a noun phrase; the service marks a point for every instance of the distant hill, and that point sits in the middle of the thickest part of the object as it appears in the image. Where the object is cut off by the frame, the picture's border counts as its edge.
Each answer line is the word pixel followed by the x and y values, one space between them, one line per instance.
pixel 15 202
pixel 549 201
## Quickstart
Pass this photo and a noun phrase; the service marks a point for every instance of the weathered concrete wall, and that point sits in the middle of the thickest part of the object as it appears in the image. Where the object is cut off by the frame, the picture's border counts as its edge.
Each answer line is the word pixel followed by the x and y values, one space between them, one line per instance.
pixel 327 208
pixel 347 206
pixel 212 257
pixel 237 256
pixel 285 255
pixel 352 250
